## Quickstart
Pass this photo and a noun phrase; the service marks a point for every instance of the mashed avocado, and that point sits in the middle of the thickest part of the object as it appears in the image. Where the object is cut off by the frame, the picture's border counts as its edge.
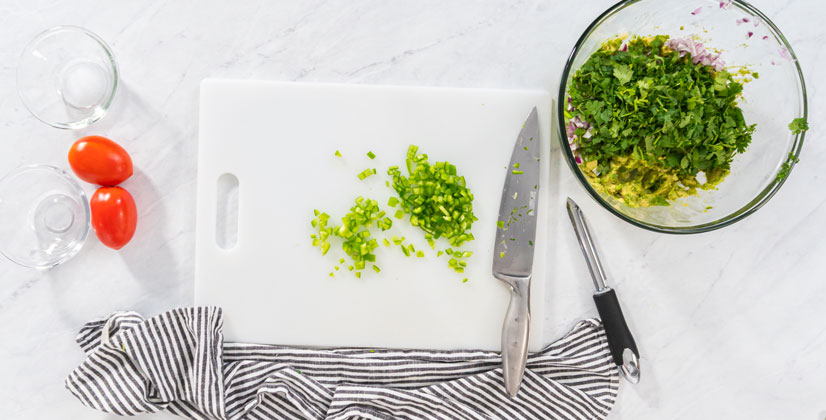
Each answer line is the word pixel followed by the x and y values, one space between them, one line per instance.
pixel 642 183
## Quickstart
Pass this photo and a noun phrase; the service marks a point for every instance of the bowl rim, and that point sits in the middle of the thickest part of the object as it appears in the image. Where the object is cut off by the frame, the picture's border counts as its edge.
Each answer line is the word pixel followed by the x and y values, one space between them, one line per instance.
pixel 749 208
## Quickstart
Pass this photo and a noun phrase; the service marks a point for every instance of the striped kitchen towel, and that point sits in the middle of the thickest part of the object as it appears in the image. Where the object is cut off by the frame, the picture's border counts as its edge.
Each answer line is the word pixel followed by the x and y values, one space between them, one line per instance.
pixel 178 362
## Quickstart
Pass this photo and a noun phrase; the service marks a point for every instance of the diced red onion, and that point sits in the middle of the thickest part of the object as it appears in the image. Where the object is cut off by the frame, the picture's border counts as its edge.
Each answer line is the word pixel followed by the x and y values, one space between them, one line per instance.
pixel 699 55
pixel 697 11
pixel 570 131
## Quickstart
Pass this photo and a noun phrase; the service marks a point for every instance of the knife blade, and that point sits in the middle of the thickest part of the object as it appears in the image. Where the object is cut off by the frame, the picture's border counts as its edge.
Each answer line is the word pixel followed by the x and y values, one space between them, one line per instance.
pixel 620 341
pixel 514 248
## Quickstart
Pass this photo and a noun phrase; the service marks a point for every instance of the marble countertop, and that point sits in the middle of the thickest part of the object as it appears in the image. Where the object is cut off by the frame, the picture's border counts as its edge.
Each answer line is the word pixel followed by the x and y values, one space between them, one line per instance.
pixel 730 323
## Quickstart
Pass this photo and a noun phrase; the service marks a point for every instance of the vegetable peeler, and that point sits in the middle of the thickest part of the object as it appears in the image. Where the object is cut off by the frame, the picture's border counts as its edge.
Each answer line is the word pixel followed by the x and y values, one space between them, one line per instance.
pixel 620 341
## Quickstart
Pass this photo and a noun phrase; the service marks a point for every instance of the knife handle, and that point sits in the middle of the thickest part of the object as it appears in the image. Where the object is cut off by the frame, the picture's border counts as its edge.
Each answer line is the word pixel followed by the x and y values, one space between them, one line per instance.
pixel 619 336
pixel 515 338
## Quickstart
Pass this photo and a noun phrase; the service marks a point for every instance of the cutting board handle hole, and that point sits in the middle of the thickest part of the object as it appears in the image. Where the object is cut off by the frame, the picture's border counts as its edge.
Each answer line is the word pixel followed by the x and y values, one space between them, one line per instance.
pixel 226 217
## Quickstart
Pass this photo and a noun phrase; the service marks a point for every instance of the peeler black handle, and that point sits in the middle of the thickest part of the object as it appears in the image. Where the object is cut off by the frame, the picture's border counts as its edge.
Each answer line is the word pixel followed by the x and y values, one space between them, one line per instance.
pixel 619 336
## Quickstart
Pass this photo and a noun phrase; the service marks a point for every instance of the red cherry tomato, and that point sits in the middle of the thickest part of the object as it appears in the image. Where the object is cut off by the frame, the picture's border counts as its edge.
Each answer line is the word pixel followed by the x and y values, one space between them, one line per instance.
pixel 98 160
pixel 114 216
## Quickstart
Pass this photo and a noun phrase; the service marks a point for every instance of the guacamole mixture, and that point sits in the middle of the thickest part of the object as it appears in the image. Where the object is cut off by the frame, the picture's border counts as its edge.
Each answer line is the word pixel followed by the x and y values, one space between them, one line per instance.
pixel 653 119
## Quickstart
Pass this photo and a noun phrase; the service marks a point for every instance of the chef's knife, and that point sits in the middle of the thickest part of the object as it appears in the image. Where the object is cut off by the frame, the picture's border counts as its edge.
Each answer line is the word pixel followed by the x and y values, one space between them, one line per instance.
pixel 620 341
pixel 513 250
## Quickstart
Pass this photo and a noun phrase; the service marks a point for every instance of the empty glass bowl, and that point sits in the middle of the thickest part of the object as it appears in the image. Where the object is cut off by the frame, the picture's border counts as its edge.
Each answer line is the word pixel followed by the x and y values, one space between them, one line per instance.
pixel 67 77
pixel 746 37
pixel 44 216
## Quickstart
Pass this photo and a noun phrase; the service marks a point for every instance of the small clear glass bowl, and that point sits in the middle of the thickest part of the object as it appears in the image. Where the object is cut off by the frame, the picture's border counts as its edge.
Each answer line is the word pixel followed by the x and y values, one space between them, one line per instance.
pixel 44 216
pixel 746 37
pixel 67 77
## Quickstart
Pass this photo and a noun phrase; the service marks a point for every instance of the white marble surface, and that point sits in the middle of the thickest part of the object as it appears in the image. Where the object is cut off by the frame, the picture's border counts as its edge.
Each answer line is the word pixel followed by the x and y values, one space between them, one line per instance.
pixel 730 323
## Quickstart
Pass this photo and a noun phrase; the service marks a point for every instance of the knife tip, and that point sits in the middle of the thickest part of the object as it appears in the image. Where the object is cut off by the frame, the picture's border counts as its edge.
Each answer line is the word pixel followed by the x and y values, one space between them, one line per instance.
pixel 572 204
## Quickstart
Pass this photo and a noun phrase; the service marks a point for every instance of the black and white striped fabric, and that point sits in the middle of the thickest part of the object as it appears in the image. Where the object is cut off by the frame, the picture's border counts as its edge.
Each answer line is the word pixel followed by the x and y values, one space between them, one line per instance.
pixel 178 362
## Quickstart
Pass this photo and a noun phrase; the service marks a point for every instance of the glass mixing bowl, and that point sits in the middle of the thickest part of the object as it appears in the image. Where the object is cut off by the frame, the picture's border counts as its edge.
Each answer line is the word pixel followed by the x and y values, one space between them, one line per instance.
pixel 746 37
pixel 67 77
pixel 44 216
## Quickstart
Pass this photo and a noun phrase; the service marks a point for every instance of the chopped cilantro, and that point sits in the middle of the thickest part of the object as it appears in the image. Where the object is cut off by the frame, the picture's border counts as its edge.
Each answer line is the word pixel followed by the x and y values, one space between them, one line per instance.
pixel 798 125
pixel 623 73
pixel 787 167
pixel 645 103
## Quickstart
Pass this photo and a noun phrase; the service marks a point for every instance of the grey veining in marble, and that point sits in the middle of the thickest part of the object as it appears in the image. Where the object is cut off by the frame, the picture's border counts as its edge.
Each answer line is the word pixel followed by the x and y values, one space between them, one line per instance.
pixel 730 323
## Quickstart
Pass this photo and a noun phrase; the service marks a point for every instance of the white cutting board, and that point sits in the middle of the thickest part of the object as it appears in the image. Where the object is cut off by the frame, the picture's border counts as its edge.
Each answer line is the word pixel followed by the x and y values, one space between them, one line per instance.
pixel 279 139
